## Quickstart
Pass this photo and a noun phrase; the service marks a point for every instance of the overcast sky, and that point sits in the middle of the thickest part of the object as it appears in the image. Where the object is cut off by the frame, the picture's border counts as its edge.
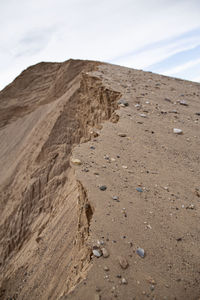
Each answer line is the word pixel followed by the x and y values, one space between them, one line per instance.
pixel 162 36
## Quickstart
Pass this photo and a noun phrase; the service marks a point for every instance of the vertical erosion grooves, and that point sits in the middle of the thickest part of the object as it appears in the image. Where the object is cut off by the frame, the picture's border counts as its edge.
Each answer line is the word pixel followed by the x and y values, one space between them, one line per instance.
pixel 40 200
pixel 96 104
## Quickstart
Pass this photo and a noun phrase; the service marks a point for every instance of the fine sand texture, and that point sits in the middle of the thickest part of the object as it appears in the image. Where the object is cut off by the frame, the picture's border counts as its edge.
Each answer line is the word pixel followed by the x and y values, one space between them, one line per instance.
pixel 99 184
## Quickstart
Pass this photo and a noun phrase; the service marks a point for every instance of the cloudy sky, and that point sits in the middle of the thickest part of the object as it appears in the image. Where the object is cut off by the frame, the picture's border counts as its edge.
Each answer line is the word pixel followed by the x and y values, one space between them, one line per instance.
pixel 162 36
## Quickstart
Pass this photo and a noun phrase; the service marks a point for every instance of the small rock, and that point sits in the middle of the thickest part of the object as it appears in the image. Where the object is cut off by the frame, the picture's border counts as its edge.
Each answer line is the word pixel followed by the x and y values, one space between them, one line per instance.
pixel 76 161
pixel 103 187
pixel 139 190
pixel 152 287
pixel 197 113
pixel 115 198
pixel 183 102
pixel 106 269
pixel 98 289
pixel 124 167
pixel 119 276
pixel 96 251
pixel 97 297
pixel 167 99
pixel 123 262
pixel 122 134
pixel 140 252
pixel 124 102
pixel 124 281
pixel 137 105
pixel 92 147
pixel 143 115
pixel 177 131
pixel 191 206
pixel 105 252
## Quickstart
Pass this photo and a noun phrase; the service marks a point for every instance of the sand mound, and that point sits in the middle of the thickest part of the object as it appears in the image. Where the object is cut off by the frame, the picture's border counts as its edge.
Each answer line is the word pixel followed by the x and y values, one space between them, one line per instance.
pixel 55 159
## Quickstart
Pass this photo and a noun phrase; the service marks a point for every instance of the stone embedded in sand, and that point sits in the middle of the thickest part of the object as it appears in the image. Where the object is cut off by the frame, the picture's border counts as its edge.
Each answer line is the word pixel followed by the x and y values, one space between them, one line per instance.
pixel 115 198
pixel 122 134
pixel 139 190
pixel 177 131
pixel 103 187
pixel 183 102
pixel 197 113
pixel 124 102
pixel 76 161
pixel 167 99
pixel 96 251
pixel 140 252
pixel 124 281
pixel 97 297
pixel 123 262
pixel 106 269
pixel 143 115
pixel 105 252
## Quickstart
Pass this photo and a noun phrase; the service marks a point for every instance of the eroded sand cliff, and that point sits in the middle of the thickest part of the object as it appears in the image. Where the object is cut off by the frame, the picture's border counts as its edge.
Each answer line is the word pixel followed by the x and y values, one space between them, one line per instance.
pixel 53 212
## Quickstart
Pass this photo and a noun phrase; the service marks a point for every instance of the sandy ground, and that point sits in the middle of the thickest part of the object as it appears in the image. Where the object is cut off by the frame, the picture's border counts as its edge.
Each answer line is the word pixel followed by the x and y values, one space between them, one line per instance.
pixel 136 184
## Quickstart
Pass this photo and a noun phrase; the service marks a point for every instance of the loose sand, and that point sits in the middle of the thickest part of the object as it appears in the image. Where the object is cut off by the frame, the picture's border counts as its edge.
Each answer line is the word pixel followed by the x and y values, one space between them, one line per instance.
pixel 62 137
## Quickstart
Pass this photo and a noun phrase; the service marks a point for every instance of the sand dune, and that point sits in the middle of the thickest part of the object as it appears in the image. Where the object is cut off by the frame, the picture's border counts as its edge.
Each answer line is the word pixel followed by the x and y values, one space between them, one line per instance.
pixel 91 164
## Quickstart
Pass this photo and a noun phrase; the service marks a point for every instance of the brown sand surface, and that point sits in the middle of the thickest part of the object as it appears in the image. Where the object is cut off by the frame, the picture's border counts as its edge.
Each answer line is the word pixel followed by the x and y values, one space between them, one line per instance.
pixel 53 212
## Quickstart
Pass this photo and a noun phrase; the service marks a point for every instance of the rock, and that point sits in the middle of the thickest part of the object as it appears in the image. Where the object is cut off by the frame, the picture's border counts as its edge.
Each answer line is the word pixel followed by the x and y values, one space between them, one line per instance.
pixel 115 198
pixel 97 297
pixel 123 262
pixel 124 167
pixel 140 252
pixel 197 113
pixel 183 102
pixel 106 269
pixel 98 289
pixel 167 99
pixel 105 252
pixel 191 206
pixel 124 281
pixel 103 187
pixel 143 115
pixel 76 161
pixel 139 190
pixel 92 148
pixel 122 134
pixel 96 251
pixel 177 131
pixel 124 102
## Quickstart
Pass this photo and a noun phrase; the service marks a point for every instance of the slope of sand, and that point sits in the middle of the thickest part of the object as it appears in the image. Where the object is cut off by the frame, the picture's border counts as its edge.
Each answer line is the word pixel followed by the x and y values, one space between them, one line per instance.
pixel 53 212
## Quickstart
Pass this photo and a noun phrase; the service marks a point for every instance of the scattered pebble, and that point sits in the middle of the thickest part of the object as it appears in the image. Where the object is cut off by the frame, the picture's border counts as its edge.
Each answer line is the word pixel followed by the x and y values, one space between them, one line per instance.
pixel 167 99
pixel 122 134
pixel 97 297
pixel 97 252
pixel 124 281
pixel 143 115
pixel 103 187
pixel 177 131
pixel 139 190
pixel 140 252
pixel 183 102
pixel 124 167
pixel 124 102
pixel 115 198
pixel 106 269
pixel 105 252
pixel 76 161
pixel 123 262
pixel 191 206
pixel 197 113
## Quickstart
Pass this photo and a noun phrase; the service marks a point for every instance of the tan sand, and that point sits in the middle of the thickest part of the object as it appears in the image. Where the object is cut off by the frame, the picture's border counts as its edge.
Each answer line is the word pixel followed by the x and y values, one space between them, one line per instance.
pixel 54 157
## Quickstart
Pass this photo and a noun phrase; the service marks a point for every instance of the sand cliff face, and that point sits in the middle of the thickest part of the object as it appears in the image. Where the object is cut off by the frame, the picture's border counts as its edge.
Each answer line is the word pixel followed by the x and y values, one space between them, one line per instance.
pixel 46 111
pixel 51 211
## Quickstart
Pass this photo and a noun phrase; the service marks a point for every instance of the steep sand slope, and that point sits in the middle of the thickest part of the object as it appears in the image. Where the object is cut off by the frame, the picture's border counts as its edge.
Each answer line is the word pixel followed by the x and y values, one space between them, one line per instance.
pixel 53 213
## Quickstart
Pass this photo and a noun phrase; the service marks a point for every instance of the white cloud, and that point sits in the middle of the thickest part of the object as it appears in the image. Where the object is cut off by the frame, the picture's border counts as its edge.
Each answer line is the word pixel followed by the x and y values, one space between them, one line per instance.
pixel 182 67
pixel 50 30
